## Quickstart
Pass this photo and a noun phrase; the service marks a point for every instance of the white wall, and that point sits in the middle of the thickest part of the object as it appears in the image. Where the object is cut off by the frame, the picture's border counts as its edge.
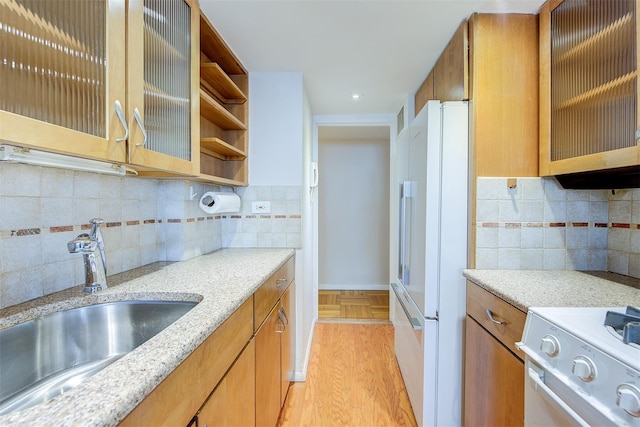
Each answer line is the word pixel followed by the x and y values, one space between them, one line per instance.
pixel 280 134
pixel 307 297
pixel 275 128
pixel 353 217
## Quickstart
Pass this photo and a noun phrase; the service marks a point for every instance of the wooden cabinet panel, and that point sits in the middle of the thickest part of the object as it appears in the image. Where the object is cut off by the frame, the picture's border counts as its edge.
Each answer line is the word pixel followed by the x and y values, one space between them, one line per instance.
pixel 232 403
pixel 268 370
pixel 509 332
pixel 504 94
pixel 274 345
pixel 449 78
pixel 494 381
pixel 286 366
pixel 271 290
pixel 425 93
pixel 180 395
pixel 451 72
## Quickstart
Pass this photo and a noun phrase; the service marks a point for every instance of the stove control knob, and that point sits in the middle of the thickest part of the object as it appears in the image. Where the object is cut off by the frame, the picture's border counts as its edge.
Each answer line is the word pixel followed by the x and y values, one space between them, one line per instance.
pixel 550 345
pixel 629 399
pixel 584 368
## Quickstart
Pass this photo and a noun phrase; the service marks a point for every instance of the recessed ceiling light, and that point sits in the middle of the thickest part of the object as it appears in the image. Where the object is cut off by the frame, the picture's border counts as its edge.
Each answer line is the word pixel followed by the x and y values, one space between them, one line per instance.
pixel 356 96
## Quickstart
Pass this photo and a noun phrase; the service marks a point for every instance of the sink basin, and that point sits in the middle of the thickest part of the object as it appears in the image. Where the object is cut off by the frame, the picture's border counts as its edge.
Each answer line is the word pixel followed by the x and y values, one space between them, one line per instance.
pixel 46 356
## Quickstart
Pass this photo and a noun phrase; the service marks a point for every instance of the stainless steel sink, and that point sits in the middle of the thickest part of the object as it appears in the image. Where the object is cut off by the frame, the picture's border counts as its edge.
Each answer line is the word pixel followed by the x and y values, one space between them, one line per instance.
pixel 45 357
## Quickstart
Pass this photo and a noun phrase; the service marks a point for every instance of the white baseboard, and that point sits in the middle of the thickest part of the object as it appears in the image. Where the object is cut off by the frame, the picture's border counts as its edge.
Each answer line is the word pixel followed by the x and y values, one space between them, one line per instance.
pixel 301 376
pixel 360 287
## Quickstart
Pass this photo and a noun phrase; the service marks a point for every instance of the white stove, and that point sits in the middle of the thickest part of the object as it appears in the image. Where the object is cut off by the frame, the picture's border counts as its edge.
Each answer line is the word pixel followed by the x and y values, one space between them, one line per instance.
pixel 579 371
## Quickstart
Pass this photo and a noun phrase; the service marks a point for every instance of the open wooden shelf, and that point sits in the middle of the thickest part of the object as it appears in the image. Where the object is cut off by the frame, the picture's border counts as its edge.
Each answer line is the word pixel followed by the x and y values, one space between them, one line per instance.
pixel 223 111
pixel 216 49
pixel 218 148
pixel 211 110
pixel 221 180
pixel 214 79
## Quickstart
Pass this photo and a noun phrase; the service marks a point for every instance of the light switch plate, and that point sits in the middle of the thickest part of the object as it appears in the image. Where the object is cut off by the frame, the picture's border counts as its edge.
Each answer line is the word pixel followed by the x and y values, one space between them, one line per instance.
pixel 261 207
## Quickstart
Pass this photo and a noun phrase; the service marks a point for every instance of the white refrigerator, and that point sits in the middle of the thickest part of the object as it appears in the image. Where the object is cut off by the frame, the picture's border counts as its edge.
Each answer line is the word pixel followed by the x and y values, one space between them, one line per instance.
pixel 430 292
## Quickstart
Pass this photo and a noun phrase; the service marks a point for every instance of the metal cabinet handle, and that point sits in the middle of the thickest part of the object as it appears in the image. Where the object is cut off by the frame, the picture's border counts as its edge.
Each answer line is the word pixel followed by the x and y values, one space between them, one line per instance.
pixel 281 323
pixel 281 282
pixel 284 313
pixel 138 119
pixel 120 113
pixel 497 322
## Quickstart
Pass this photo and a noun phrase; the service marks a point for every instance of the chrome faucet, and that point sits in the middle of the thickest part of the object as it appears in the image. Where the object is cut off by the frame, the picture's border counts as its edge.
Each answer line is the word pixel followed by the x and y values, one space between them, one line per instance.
pixel 95 267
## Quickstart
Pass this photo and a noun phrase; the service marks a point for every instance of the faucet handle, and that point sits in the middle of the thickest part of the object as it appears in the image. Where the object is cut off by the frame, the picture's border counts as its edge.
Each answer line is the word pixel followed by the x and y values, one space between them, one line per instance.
pixel 82 244
pixel 95 226
pixel 95 232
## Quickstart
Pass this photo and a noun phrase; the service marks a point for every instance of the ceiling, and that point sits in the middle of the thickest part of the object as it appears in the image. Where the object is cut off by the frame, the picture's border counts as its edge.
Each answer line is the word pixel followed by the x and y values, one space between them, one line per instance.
pixel 382 49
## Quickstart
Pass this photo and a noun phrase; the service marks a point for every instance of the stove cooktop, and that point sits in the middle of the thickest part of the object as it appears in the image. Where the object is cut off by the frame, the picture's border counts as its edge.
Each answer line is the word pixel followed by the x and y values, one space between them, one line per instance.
pixel 626 325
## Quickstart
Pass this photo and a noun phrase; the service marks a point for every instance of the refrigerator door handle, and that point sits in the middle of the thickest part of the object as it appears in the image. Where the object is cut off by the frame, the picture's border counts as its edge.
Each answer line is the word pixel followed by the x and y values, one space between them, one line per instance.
pixel 405 233
pixel 417 326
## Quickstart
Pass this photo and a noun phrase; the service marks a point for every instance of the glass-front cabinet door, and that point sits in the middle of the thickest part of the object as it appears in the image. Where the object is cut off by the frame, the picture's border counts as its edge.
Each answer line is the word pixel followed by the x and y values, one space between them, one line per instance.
pixel 62 74
pixel 162 58
pixel 589 114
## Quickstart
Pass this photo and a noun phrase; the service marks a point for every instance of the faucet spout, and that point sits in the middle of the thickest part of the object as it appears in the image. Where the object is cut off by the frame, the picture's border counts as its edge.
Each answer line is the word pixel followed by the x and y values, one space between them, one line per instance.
pixel 96 235
pixel 95 265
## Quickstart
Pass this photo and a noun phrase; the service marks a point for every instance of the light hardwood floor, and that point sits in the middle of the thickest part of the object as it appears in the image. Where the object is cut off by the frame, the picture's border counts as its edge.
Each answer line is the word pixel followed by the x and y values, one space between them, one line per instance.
pixel 361 305
pixel 353 380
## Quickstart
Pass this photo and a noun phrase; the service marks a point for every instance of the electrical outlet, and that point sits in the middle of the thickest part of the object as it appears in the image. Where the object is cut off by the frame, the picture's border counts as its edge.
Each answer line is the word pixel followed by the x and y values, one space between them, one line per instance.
pixel 261 207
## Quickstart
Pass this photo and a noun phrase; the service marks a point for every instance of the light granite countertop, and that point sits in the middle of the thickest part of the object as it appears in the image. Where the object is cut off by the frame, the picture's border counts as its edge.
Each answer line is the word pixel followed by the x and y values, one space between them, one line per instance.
pixel 558 288
pixel 220 281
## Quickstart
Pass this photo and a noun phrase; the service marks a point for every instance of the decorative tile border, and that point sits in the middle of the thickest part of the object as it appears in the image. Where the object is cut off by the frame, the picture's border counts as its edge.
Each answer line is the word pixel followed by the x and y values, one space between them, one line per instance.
pixel 572 224
pixel 5 234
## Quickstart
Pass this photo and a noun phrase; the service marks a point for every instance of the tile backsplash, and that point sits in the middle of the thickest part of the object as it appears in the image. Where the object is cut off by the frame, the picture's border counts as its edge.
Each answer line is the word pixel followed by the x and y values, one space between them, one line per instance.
pixel 41 209
pixel 539 225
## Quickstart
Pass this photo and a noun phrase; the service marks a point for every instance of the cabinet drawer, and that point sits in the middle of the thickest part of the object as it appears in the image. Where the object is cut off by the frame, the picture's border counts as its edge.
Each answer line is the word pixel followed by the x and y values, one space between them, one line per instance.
pixel 508 322
pixel 271 291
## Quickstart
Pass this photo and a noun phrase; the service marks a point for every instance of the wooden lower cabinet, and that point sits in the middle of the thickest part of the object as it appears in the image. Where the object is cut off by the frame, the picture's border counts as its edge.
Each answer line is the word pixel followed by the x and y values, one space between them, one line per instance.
pixel 494 367
pixel 268 370
pixel 240 375
pixel 494 381
pixel 273 363
pixel 232 403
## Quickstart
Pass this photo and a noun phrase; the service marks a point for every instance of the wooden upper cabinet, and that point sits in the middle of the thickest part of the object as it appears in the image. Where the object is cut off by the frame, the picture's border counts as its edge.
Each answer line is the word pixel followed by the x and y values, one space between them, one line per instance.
pixel 424 93
pixel 449 78
pixel 589 115
pixel 504 90
pixel 91 78
pixel 64 76
pixel 451 72
pixel 162 85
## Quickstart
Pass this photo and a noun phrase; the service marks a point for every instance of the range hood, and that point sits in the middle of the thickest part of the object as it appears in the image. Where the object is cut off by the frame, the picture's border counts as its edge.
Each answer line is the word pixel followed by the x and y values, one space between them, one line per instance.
pixel 609 179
